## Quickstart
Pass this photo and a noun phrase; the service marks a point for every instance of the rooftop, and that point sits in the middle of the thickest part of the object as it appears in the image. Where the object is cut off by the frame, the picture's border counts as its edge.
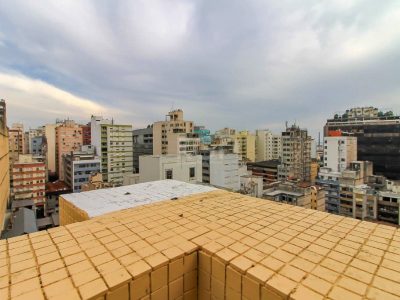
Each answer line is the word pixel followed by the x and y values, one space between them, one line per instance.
pixel 99 202
pixel 215 244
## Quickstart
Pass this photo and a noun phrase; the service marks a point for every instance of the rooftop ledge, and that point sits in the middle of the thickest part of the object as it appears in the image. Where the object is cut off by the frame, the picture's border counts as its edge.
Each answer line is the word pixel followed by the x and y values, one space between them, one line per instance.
pixel 210 245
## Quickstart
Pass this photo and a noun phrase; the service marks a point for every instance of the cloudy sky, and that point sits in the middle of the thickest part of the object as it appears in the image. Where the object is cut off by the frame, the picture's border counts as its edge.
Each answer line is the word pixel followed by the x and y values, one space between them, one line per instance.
pixel 243 64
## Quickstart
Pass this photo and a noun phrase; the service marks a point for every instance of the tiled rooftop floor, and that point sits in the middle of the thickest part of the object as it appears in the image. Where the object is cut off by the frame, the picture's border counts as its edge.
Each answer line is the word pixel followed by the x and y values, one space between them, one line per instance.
pixel 215 245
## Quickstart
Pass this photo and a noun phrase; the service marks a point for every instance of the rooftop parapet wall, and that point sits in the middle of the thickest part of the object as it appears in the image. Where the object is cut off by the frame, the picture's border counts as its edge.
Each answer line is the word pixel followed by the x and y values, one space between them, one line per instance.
pixel 213 245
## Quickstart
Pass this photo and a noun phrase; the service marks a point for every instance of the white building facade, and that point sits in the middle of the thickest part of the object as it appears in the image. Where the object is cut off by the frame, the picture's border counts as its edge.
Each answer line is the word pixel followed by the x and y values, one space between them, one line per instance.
pixel 268 145
pixel 183 167
pixel 339 151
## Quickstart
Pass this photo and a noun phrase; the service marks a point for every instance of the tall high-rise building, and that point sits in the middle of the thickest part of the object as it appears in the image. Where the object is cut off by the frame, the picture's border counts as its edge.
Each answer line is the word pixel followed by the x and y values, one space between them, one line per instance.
pixel 174 135
pixel 142 145
pixel 68 138
pixel 378 137
pixel 113 143
pixel 245 145
pixel 4 163
pixel 296 155
pixel 268 145
pixel 50 148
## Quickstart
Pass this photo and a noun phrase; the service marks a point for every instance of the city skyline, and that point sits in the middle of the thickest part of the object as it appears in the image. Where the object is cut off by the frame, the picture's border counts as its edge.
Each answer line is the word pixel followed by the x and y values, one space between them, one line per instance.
pixel 246 66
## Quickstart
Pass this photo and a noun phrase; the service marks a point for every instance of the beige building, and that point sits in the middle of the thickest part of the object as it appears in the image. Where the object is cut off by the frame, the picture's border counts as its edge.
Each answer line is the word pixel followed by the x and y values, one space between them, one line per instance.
pixel 4 164
pixel 95 183
pixel 268 145
pixel 168 134
pixel 245 145
pixel 296 155
pixel 289 193
pixel 314 168
pixel 183 143
pixel 17 142
pixel 68 139
pixel 317 198
pixel 50 146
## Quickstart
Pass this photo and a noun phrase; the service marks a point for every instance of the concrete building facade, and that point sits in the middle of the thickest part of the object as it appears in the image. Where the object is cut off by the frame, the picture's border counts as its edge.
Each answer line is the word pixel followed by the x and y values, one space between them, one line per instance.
pixel 68 138
pixel 79 166
pixel 114 144
pixel 167 132
pixel 296 155
pixel 339 151
pixel 221 169
pixel 29 184
pixel 183 167
pixel 50 147
pixel 268 145
pixel 268 170
pixel 378 137
pixel 4 163
pixel 17 143
pixel 245 145
pixel 142 145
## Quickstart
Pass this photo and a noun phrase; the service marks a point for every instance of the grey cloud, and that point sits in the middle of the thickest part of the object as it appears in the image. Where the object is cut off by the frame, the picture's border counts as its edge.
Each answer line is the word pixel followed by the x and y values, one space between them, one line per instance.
pixel 243 64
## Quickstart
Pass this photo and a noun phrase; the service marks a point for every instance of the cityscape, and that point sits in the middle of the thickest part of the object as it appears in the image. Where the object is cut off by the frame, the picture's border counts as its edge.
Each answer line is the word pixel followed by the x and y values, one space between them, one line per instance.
pixel 199 150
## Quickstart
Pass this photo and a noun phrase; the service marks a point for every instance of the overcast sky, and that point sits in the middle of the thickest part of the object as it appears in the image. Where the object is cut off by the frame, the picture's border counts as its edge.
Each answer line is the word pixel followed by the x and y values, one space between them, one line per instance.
pixel 241 64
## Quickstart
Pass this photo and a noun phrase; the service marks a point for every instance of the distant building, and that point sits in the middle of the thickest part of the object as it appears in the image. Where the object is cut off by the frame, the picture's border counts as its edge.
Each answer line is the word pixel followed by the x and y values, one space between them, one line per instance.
pixel 314 168
pixel 204 134
pixel 317 198
pixel 4 163
pixel 78 166
pixel 339 151
pixel 68 138
pixel 86 135
pixel 113 144
pixel 220 169
pixel 28 184
pixel 268 170
pixel 16 141
pixel 296 155
pixel 378 137
pixel 245 145
pixel 167 133
pixel 289 193
pixel 50 148
pixel 142 145
pixel 36 146
pixel 183 167
pixel 251 185
pixel 268 145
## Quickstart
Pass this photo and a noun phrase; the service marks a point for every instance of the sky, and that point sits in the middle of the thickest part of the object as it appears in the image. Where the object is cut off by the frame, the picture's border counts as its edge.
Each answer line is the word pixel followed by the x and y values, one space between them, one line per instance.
pixel 241 64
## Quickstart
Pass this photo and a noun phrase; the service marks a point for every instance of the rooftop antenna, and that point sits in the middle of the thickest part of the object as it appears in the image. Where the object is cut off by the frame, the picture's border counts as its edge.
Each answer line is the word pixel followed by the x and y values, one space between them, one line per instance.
pixel 319 138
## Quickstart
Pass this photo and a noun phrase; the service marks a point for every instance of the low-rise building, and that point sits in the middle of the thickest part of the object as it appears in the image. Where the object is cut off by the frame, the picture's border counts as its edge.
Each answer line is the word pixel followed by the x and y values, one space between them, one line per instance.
pixel 329 180
pixel 317 198
pixel 79 165
pixel 183 167
pixel 268 170
pixel 290 193
pixel 96 182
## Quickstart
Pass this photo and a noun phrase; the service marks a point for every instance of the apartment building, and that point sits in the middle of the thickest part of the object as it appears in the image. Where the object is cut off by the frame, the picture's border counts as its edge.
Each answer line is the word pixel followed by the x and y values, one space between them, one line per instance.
pixel 17 142
pixel 289 193
pixel 95 182
pixel 245 145
pixel 389 203
pixel 68 138
pixel 329 180
pixel 113 144
pixel 220 169
pixel 168 134
pixel 142 145
pixel 378 137
pixel 353 176
pixel 4 163
pixel 317 198
pixel 204 134
pixel 339 151
pixel 296 155
pixel 29 184
pixel 86 134
pixel 268 170
pixel 50 148
pixel 183 167
pixel 268 145
pixel 79 166
pixel 183 143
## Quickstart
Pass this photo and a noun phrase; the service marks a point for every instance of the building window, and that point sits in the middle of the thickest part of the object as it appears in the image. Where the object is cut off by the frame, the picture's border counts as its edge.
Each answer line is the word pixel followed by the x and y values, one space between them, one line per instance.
pixel 168 174
pixel 192 172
